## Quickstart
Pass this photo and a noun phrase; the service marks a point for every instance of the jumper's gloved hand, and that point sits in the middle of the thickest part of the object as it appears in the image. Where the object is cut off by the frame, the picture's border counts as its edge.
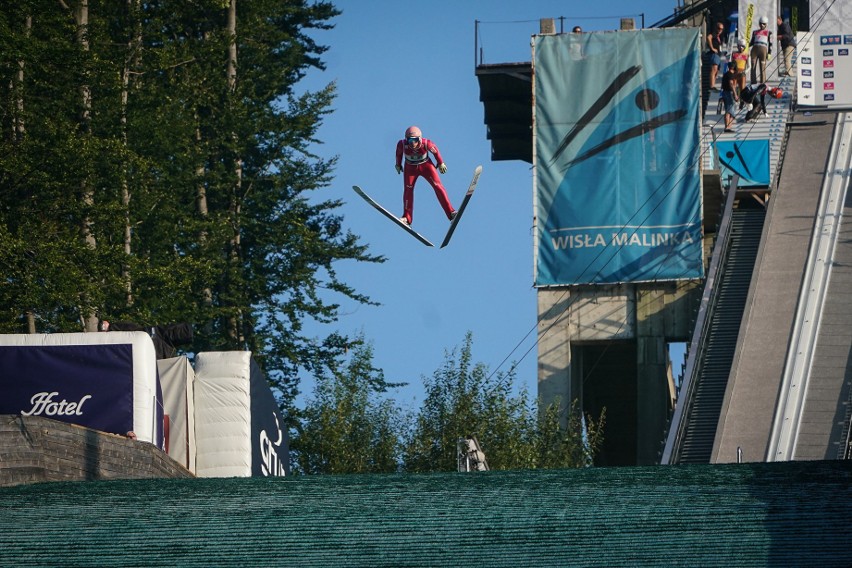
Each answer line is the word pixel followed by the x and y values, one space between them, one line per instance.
pixel 442 168
pixel 398 169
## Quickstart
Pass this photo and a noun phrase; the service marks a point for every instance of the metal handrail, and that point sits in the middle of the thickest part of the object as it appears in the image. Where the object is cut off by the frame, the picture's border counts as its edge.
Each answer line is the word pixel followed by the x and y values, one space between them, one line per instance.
pixel 478 52
pixel 702 322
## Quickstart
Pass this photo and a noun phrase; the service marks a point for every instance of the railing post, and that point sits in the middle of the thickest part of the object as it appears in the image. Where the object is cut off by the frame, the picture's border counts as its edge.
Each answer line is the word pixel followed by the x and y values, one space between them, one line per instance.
pixel 475 43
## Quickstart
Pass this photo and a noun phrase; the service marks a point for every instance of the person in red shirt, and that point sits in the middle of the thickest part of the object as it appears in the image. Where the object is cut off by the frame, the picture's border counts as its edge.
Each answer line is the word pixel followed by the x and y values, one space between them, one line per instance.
pixel 415 150
pixel 739 59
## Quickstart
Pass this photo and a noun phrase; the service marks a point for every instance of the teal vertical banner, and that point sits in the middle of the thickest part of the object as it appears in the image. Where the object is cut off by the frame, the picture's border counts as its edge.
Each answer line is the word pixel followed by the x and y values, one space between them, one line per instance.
pixel 618 187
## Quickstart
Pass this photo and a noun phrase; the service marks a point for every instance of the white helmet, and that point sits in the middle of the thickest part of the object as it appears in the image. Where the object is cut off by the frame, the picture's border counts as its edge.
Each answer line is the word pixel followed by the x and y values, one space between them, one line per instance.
pixel 741 42
pixel 764 20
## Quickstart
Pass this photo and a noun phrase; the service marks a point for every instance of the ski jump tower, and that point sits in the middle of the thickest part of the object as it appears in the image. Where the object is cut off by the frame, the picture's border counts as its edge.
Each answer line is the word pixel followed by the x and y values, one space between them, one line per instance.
pixel 622 209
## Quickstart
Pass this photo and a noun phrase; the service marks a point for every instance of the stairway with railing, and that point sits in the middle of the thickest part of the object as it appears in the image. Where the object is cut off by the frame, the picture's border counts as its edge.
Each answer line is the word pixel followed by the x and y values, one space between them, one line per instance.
pixel 693 426
pixel 721 339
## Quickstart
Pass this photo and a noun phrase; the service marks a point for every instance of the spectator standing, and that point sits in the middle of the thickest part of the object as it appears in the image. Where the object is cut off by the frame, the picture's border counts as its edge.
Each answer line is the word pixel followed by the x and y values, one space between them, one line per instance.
pixel 729 95
pixel 760 49
pixel 739 59
pixel 576 49
pixel 714 52
pixel 788 45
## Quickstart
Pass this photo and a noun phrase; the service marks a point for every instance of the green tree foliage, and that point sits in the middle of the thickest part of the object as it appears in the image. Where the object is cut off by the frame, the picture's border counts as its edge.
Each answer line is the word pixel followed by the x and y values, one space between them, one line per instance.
pixel 347 426
pixel 463 400
pixel 573 445
pixel 199 189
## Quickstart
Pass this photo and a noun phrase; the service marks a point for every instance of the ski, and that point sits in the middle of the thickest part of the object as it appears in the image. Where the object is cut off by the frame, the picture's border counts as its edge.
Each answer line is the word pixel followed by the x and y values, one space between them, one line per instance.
pixel 464 203
pixel 392 217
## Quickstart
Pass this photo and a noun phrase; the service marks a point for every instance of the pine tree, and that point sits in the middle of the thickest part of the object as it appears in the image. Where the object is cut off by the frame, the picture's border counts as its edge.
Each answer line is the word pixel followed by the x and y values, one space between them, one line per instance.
pixel 156 167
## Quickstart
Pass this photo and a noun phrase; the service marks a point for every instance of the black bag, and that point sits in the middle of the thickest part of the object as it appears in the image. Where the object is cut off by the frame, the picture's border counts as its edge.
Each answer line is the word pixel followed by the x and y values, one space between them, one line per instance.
pixel 165 337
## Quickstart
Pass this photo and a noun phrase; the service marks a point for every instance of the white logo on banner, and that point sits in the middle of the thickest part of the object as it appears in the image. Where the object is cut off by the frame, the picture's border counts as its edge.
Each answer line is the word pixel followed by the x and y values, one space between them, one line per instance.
pixel 44 405
pixel 647 240
pixel 271 462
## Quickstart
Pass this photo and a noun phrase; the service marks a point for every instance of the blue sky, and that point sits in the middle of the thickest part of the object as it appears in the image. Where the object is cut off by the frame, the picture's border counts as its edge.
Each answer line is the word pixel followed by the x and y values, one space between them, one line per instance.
pixel 395 66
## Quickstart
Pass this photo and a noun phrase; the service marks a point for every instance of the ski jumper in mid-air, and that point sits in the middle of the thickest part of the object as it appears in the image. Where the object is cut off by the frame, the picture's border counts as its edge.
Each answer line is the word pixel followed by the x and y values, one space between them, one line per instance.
pixel 415 150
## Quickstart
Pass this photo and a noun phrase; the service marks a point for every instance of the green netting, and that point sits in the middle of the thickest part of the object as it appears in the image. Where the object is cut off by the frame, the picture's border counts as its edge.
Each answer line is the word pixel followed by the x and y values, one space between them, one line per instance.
pixel 709 515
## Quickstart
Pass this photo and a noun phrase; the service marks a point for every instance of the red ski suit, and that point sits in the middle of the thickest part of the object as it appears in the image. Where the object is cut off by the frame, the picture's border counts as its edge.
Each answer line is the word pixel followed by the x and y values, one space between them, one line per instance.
pixel 417 163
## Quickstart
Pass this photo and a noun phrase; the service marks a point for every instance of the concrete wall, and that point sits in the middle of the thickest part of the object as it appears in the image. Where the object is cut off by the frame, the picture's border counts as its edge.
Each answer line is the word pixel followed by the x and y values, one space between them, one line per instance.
pixel 647 316
pixel 35 449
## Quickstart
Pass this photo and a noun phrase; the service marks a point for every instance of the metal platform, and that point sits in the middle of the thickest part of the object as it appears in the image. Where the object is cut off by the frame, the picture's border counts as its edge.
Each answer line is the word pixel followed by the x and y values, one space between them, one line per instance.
pixel 770 126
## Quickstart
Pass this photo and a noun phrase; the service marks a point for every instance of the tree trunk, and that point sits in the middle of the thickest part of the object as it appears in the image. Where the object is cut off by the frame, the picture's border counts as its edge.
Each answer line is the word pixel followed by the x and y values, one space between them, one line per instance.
pixel 88 314
pixel 134 45
pixel 234 322
pixel 19 128
pixel 18 125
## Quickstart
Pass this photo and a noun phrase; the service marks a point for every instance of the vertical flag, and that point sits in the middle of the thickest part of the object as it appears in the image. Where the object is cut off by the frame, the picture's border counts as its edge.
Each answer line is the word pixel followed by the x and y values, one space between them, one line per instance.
pixel 750 12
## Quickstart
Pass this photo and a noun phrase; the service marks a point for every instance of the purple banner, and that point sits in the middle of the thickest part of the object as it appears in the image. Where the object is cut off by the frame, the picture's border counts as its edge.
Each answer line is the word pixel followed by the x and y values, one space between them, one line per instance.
pixel 89 385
